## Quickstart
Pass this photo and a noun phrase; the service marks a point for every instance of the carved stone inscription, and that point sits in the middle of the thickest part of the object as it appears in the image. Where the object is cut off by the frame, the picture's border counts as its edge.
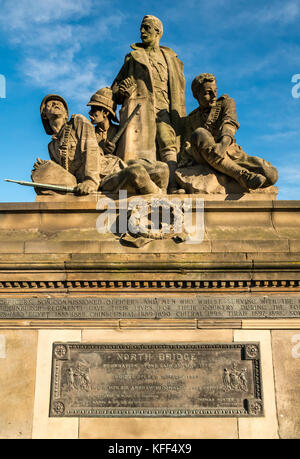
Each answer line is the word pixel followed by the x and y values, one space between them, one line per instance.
pixel 151 307
pixel 156 380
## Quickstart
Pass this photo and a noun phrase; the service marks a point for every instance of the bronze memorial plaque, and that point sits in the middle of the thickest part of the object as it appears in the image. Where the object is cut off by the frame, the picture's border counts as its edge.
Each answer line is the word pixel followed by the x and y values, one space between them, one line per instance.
pixel 156 380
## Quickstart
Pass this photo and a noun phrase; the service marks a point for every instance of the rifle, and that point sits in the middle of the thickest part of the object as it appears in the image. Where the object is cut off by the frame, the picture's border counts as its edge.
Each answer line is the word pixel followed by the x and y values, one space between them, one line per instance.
pixel 124 127
pixel 65 189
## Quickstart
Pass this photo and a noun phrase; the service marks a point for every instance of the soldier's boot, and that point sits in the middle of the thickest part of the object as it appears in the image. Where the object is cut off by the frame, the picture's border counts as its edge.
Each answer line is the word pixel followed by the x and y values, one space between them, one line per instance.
pixel 140 179
pixel 160 176
pixel 172 186
pixel 170 158
pixel 248 180
pixel 158 172
pixel 203 144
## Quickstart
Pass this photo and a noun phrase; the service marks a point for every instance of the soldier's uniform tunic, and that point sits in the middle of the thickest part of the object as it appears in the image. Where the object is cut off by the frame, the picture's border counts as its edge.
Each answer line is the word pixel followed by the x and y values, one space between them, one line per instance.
pixel 76 150
pixel 220 121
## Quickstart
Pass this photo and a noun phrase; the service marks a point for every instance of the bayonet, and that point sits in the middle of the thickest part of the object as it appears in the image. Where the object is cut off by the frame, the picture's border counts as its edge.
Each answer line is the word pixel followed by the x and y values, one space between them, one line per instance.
pixel 46 186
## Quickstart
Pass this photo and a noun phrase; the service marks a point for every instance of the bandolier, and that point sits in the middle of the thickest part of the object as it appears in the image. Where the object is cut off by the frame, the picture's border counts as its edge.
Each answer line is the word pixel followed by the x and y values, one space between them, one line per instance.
pixel 64 147
pixel 73 151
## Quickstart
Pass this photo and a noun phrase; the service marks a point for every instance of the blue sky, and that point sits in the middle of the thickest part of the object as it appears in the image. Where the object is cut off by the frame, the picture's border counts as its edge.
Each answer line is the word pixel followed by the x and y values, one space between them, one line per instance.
pixel 75 47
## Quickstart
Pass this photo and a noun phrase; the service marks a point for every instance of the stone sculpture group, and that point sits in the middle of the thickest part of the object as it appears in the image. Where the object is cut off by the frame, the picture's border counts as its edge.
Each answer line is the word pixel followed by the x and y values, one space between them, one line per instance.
pixel 162 150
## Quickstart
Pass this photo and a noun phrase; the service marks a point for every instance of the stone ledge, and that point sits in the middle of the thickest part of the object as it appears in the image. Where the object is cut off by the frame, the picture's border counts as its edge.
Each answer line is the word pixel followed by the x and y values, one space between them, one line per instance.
pixel 42 217
pixel 90 205
pixel 149 324
pixel 54 246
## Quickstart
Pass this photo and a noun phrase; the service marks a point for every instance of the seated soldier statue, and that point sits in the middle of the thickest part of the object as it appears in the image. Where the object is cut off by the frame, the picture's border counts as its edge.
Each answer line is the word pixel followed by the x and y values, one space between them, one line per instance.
pixel 103 115
pixel 74 152
pixel 141 176
pixel 209 139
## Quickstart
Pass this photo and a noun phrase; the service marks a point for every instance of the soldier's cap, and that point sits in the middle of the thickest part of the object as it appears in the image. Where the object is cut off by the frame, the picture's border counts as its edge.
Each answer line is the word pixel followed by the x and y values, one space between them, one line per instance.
pixel 45 121
pixel 104 98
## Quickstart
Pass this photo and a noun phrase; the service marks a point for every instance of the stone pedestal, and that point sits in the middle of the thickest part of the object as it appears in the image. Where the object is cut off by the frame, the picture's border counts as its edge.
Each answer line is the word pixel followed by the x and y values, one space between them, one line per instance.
pixel 240 284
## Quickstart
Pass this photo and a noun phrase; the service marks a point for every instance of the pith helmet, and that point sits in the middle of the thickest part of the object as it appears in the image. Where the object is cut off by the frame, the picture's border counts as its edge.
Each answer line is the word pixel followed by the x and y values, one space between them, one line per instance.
pixel 45 121
pixel 104 98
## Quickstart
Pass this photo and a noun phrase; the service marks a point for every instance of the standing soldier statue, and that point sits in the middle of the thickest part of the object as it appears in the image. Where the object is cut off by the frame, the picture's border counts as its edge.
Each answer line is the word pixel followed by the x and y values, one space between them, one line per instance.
pixel 152 75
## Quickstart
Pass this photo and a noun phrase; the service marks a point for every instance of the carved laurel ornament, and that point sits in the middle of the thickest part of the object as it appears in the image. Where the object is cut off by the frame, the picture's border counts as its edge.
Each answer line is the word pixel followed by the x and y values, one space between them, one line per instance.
pixel 163 220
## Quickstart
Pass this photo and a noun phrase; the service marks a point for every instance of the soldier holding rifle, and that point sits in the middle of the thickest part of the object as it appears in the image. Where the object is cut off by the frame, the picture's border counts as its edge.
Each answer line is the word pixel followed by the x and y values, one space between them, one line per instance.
pixel 81 160
pixel 138 176
pixel 73 150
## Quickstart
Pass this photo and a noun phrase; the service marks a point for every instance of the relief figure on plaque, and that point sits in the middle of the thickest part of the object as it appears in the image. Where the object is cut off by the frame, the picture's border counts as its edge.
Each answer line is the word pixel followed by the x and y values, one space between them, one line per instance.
pixel 209 146
pixel 152 75
pixel 73 150
pixel 78 377
pixel 70 378
pixel 235 379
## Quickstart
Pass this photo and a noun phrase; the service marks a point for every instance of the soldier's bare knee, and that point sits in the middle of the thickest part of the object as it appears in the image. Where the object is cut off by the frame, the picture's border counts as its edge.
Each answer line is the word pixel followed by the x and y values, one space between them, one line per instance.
pixel 271 176
pixel 202 139
pixel 202 136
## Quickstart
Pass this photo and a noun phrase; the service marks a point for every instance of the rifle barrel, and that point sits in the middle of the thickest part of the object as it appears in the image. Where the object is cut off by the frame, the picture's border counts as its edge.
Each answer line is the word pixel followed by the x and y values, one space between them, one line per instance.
pixel 46 186
pixel 124 127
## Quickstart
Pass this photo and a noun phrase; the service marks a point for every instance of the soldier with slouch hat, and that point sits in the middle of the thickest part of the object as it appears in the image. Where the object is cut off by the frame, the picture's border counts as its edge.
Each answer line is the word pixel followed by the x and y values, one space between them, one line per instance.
pixel 73 150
